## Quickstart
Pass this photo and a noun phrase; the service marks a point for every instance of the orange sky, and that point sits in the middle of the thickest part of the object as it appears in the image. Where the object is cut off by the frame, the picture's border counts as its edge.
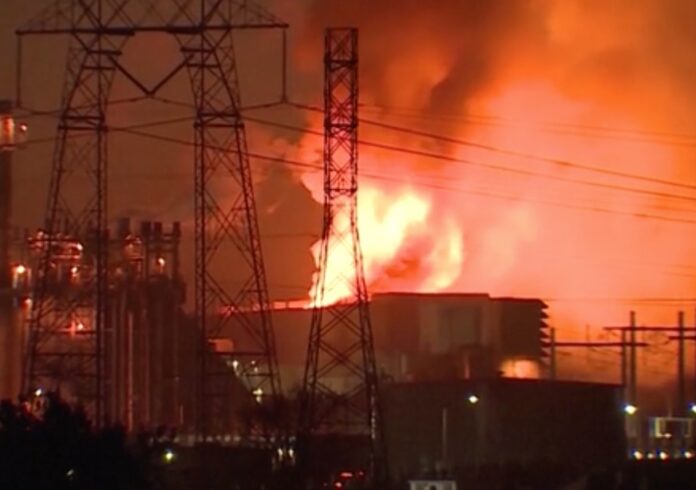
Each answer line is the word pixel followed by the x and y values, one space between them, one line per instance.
pixel 543 83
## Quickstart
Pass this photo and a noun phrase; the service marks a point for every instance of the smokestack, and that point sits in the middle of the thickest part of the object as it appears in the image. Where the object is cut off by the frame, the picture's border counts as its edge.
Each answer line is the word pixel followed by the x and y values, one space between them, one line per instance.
pixel 7 371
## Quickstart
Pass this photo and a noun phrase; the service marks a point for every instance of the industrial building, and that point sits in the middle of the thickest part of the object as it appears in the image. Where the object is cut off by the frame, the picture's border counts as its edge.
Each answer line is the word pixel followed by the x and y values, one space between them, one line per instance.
pixel 459 372
pixel 151 349
pixel 452 427
pixel 422 337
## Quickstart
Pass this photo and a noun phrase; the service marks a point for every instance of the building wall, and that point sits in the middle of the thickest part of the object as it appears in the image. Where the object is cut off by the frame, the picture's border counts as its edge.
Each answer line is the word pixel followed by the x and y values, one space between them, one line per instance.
pixel 428 337
pixel 434 426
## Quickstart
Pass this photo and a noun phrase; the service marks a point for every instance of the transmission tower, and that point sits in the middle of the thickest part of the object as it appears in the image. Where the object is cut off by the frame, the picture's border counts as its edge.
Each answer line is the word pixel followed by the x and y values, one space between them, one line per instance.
pixel 340 396
pixel 70 330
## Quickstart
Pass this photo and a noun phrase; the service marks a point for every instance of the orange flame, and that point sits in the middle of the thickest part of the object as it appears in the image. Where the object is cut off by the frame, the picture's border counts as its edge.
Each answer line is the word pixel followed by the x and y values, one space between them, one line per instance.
pixel 546 81
pixel 399 241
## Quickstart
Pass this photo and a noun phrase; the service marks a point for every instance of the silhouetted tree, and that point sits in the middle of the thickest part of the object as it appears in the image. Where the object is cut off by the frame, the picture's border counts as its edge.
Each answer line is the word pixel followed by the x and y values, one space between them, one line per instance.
pixel 60 450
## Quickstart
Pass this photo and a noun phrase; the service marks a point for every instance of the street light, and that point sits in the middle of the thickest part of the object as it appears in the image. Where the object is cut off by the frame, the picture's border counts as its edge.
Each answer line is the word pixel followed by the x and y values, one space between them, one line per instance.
pixel 473 399
pixel 168 456
pixel 630 409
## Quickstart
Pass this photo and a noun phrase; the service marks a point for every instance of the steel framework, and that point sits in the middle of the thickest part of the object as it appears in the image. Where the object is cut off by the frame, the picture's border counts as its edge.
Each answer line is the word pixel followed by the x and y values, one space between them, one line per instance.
pixel 69 329
pixel 340 394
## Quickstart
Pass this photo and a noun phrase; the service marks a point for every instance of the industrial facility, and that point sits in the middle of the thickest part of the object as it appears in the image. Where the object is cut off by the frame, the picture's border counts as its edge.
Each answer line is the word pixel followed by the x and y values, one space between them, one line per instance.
pixel 421 337
pixel 362 389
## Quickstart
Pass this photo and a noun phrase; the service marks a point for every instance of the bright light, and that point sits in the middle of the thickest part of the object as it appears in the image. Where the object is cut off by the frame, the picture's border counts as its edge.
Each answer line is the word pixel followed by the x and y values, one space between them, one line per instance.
pixel 692 408
pixel 473 399
pixel 161 262
pixel 20 269
pixel 258 393
pixel 663 455
pixel 630 409
pixel 168 456
pixel 70 473
pixel 651 456
pixel 688 454
pixel 38 392
pixel 637 454
pixel 80 326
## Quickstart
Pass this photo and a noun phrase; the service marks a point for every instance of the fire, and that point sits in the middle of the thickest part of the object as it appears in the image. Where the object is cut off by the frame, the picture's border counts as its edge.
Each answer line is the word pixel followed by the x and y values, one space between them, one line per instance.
pixel 554 90
pixel 400 245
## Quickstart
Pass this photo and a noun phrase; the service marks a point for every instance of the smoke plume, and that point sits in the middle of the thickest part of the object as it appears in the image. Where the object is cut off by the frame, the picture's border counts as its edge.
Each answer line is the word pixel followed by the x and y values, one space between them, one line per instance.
pixel 552 91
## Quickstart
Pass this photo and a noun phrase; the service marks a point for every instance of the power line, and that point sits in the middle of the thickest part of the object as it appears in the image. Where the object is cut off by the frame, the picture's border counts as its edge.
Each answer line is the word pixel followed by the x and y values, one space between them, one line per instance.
pixel 554 161
pixel 677 139
pixel 445 157
pixel 25 112
pixel 529 173
pixel 132 129
pixel 473 144
pixel 375 176
pixel 152 124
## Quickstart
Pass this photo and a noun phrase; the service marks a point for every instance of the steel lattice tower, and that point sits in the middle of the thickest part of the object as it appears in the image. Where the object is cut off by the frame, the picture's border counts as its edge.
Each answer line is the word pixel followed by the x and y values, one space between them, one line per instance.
pixel 70 329
pixel 341 382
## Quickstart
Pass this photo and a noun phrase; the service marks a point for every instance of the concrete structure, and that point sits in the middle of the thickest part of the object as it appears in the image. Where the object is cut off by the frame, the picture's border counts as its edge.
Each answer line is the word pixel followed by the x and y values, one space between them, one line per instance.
pixel 450 427
pixel 432 337
pixel 151 347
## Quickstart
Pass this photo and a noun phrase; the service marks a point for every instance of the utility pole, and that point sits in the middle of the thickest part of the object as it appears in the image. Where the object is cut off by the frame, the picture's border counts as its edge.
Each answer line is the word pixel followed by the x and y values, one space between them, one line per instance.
pixel 623 344
pixel 552 351
pixel 682 338
pixel 681 378
pixel 340 396
pixel 680 331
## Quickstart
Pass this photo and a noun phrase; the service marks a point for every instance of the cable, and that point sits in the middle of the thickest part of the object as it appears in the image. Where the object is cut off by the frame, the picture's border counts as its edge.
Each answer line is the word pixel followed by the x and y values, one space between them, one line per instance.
pixel 132 130
pixel 374 176
pixel 544 125
pixel 469 162
pixel 491 148
pixel 563 163
pixel 28 112
pixel 152 124
pixel 529 173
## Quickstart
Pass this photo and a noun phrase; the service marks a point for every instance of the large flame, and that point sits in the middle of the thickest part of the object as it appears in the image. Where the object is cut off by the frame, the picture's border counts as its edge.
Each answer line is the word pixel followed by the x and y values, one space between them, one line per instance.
pixel 404 245
pixel 543 85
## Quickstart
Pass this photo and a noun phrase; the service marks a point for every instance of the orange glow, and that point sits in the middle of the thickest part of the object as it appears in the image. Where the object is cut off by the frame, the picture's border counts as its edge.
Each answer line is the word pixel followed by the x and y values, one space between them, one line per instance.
pixel 553 91
pixel 520 368
pixel 400 240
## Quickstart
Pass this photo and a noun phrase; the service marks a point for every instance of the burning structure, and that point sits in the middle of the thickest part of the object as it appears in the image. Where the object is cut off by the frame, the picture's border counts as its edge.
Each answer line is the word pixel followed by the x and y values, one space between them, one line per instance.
pixel 428 337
